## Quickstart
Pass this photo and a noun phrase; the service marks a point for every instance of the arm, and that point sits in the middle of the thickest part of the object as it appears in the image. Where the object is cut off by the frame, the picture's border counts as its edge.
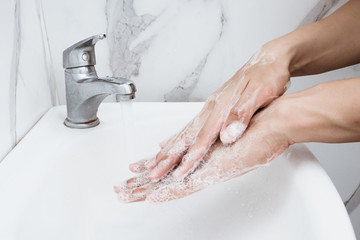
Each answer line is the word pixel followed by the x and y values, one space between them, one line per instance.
pixel 329 112
pixel 331 43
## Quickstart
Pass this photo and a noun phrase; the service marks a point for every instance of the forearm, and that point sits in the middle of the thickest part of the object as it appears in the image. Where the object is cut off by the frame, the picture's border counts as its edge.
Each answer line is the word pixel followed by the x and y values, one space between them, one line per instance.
pixel 329 44
pixel 329 112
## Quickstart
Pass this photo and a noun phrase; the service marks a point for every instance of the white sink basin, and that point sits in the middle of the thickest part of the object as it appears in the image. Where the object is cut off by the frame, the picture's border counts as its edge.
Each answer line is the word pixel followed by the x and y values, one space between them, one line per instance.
pixel 58 184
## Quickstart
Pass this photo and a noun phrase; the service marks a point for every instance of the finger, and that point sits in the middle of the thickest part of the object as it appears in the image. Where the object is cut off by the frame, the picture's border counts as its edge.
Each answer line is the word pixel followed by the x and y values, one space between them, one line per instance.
pixel 210 131
pixel 161 165
pixel 170 192
pixel 163 144
pixel 191 160
pixel 206 137
pixel 152 162
pixel 139 166
pixel 176 146
pixel 172 154
pixel 209 173
pixel 164 167
pixel 128 195
pixel 170 189
pixel 241 114
pixel 137 181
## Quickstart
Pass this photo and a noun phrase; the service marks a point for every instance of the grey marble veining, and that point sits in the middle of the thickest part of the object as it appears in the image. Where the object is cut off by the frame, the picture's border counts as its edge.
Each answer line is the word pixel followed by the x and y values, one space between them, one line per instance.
pixel 183 92
pixel 49 68
pixel 319 11
pixel 354 201
pixel 123 27
pixel 15 72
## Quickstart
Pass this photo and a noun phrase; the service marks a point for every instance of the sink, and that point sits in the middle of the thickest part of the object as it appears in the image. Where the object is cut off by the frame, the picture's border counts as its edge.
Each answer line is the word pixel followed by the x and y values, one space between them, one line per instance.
pixel 58 184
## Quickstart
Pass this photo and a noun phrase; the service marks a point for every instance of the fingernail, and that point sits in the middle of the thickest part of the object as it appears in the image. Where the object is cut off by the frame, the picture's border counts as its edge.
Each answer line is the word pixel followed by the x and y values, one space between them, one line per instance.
pixel 116 189
pixel 135 167
pixel 232 132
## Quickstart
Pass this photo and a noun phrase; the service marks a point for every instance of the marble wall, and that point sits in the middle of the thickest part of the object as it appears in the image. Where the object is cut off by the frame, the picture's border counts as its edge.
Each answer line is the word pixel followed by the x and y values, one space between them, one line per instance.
pixel 26 87
pixel 175 50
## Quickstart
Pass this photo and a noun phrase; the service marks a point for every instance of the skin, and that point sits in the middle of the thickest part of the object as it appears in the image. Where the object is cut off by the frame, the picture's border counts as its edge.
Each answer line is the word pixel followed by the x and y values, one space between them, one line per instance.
pixel 317 114
pixel 324 113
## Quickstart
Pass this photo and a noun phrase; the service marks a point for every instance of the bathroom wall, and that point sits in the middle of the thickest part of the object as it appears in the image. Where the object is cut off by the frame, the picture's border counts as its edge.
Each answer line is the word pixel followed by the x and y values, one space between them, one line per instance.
pixel 174 50
pixel 26 77
pixel 7 12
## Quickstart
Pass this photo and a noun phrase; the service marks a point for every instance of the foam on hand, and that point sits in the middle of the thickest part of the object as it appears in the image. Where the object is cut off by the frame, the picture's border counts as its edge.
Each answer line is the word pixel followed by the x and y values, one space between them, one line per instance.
pixel 232 132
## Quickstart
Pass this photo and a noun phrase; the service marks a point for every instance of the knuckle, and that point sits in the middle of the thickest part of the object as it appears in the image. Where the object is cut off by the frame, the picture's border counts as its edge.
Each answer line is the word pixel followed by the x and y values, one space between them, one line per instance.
pixel 203 140
pixel 235 112
pixel 202 135
pixel 268 91
pixel 210 101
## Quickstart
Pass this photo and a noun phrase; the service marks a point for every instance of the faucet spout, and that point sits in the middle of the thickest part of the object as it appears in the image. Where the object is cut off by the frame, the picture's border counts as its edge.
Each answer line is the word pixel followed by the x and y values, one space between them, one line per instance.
pixel 118 85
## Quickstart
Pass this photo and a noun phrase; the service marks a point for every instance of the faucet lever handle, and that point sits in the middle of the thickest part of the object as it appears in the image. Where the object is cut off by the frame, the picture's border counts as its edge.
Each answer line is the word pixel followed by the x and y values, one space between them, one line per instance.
pixel 81 53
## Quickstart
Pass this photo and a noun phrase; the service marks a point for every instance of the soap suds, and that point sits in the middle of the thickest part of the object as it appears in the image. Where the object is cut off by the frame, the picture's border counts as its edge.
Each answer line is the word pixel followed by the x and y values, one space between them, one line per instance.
pixel 214 163
pixel 138 167
pixel 232 132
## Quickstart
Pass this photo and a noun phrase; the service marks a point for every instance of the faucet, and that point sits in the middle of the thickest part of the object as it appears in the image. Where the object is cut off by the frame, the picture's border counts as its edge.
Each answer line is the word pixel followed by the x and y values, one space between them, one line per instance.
pixel 84 89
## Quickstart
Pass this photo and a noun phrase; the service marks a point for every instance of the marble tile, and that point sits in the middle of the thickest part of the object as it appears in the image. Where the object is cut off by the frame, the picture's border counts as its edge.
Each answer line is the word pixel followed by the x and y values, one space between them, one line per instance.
pixel 184 50
pixel 34 94
pixel 7 25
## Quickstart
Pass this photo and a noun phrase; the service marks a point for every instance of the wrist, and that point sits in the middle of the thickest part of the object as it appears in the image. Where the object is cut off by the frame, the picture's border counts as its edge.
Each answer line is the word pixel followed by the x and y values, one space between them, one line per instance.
pixel 284 52
pixel 283 119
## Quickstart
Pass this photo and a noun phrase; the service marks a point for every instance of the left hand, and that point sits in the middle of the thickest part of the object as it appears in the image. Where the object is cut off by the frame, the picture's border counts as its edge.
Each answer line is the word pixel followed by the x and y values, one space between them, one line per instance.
pixel 262 142
pixel 324 113
pixel 226 113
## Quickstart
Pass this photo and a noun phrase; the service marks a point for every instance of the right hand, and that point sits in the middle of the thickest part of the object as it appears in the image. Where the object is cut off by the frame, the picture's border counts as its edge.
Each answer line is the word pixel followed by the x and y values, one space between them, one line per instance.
pixel 266 138
pixel 227 113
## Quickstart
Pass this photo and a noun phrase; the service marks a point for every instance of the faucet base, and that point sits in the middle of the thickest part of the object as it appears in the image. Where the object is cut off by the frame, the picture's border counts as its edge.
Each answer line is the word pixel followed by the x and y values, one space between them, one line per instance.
pixel 81 125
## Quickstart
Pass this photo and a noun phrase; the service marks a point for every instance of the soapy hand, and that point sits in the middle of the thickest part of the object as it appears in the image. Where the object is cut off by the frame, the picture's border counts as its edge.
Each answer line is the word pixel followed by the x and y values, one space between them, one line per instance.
pixel 227 113
pixel 265 139
pixel 320 116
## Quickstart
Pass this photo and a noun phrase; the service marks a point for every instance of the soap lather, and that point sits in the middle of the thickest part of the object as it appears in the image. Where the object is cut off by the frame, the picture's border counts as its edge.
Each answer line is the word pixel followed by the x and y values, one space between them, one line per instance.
pixel 84 89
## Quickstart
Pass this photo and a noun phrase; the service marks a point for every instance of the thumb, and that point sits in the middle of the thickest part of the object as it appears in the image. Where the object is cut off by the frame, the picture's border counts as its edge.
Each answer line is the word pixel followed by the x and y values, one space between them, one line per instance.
pixel 238 119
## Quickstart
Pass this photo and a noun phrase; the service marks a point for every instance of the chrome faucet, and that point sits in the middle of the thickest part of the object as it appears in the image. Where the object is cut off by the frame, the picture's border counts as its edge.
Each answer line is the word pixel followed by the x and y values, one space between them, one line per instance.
pixel 84 89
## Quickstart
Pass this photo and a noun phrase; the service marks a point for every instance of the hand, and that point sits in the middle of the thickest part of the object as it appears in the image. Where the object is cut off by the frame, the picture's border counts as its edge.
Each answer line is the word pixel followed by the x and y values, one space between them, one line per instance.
pixel 315 48
pixel 265 139
pixel 227 112
pixel 324 113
